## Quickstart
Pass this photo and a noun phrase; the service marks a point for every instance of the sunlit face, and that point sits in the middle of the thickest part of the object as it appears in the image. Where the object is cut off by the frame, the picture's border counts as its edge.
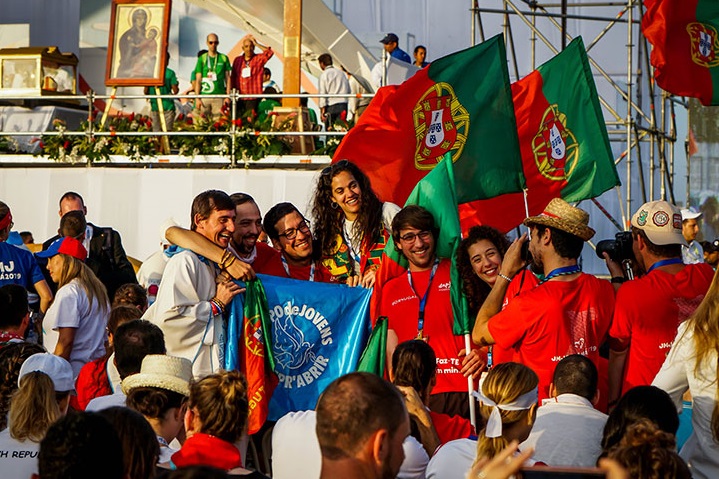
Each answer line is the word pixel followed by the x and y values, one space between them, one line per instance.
pixel 248 226
pixel 54 267
pixel 212 42
pixel 485 260
pixel 690 229
pixel 218 227
pixel 71 204
pixel 295 238
pixel 420 55
pixel 418 247
pixel 248 48
pixel 346 192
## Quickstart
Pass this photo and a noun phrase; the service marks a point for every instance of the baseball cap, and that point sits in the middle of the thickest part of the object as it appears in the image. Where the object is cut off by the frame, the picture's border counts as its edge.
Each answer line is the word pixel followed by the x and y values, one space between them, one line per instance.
pixel 389 38
pixel 56 367
pixel 661 222
pixel 690 214
pixel 710 246
pixel 67 245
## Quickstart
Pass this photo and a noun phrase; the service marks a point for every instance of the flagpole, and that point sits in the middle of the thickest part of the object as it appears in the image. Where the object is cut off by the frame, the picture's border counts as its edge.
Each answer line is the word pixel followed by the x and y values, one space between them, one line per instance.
pixel 526 211
pixel 470 386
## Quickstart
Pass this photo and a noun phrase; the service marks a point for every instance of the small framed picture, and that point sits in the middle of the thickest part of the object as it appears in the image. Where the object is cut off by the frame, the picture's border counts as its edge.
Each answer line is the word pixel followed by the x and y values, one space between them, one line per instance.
pixel 138 41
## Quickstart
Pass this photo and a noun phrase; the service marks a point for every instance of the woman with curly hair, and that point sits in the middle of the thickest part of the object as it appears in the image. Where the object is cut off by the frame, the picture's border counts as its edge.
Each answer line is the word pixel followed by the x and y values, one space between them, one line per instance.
pixel 351 223
pixel 479 261
pixel 74 325
pixel 692 365
pixel 215 420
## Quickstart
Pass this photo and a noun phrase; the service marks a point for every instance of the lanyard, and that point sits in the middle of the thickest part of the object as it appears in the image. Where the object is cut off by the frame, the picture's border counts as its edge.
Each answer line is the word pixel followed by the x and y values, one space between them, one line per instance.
pixel 563 271
pixel 423 299
pixel 210 67
pixel 287 268
pixel 664 262
pixel 347 236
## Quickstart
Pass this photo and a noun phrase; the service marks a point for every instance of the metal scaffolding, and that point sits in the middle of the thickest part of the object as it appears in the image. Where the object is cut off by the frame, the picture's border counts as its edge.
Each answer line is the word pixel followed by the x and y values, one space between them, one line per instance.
pixel 639 129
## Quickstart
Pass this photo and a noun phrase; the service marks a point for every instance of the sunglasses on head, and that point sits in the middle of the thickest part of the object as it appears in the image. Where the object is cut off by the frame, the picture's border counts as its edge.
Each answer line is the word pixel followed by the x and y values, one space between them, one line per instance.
pixel 334 166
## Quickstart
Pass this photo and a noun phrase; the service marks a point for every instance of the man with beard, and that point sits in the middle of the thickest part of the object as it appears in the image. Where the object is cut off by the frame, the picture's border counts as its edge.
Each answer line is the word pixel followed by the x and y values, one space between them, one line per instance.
pixel 193 296
pixel 361 425
pixel 569 312
pixel 244 244
pixel 292 238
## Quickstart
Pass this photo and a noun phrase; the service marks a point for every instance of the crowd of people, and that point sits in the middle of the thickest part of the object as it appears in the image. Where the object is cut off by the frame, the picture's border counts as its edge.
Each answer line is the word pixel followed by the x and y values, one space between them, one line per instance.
pixel 566 369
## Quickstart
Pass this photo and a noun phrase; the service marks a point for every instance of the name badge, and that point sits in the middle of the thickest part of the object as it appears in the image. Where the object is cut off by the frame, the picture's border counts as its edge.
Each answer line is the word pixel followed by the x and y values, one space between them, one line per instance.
pixel 246 72
pixel 212 76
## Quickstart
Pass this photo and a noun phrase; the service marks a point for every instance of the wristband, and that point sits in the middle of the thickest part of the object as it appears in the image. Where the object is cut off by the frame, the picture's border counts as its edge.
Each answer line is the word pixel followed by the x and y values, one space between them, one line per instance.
pixel 618 279
pixel 504 277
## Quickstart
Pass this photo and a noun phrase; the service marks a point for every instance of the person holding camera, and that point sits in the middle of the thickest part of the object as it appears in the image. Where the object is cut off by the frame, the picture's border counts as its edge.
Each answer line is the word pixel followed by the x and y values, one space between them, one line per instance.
pixel 567 313
pixel 649 309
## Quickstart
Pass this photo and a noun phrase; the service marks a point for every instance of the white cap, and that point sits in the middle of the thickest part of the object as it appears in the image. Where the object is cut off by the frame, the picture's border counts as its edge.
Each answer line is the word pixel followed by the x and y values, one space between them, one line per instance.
pixel 690 214
pixel 661 222
pixel 56 367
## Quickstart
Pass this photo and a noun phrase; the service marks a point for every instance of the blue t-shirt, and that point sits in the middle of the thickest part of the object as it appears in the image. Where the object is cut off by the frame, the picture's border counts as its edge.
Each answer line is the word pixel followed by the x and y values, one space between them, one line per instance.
pixel 18 266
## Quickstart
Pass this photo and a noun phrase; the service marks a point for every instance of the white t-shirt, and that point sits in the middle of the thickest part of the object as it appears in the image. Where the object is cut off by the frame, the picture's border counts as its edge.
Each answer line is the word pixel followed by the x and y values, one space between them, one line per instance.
pixel 71 309
pixel 453 460
pixel 296 450
pixel 150 274
pixel 567 432
pixel 18 460
pixel 700 451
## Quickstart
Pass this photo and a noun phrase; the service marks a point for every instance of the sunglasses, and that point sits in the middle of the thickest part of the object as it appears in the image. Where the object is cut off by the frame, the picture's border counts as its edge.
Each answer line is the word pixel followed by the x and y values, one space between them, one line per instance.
pixel 213 43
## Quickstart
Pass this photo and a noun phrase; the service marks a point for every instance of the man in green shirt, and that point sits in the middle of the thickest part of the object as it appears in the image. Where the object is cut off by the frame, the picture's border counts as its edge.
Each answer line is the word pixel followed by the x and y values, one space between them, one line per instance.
pixel 171 86
pixel 212 77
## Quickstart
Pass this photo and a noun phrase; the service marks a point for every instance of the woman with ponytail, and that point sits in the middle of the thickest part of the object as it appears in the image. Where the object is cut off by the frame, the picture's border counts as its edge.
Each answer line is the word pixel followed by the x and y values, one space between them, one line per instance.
pixel 74 326
pixel 692 365
pixel 43 396
pixel 508 404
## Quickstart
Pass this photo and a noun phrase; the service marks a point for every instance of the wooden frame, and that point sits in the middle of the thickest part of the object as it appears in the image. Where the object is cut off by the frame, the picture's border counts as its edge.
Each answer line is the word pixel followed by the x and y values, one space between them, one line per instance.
pixel 138 41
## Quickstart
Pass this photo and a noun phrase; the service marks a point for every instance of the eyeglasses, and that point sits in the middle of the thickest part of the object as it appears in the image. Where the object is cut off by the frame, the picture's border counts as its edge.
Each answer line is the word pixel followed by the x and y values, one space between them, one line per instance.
pixel 291 233
pixel 412 237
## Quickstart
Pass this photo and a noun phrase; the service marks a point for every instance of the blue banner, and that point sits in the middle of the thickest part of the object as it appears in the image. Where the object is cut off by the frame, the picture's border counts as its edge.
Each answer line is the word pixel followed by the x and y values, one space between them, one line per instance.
pixel 319 331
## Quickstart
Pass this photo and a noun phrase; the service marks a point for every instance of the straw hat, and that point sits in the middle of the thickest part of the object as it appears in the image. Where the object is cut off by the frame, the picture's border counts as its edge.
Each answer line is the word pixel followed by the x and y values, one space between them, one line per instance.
pixel 563 216
pixel 161 371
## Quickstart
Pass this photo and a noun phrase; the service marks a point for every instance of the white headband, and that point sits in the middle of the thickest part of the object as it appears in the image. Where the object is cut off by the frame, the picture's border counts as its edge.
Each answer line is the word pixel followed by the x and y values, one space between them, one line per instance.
pixel 494 423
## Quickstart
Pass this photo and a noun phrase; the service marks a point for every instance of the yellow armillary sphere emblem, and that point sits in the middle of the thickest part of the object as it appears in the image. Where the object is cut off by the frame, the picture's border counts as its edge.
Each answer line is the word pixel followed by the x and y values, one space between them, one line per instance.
pixel 555 148
pixel 441 125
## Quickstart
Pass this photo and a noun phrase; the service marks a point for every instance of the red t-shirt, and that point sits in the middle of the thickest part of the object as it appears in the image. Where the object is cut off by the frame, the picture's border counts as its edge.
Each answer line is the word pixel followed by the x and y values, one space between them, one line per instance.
pixel 265 256
pixel 648 313
pixel 274 267
pixel 523 281
pixel 450 428
pixel 401 306
pixel 554 320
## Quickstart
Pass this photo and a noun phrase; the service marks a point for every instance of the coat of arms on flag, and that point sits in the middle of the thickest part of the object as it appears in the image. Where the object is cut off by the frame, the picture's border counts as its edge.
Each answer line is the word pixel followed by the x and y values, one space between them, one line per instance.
pixel 704 43
pixel 555 148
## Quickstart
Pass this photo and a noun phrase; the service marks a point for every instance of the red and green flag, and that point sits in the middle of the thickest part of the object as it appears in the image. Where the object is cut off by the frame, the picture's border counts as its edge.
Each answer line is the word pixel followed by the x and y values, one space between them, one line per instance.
pixel 563 141
pixel 256 361
pixel 374 356
pixel 436 192
pixel 460 105
pixel 685 39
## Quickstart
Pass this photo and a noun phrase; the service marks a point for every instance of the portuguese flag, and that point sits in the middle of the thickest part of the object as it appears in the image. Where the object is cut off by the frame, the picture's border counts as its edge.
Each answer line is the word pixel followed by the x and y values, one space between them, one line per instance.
pixel 564 143
pixel 685 42
pixel 256 361
pixel 462 105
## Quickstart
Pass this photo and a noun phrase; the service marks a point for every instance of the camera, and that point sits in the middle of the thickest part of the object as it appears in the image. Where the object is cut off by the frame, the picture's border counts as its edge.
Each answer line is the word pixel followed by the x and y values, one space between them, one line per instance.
pixel 619 249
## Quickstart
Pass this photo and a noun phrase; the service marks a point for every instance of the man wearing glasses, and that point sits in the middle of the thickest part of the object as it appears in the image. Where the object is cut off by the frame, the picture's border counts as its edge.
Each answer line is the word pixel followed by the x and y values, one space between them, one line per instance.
pixel 417 305
pixel 291 236
pixel 212 77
